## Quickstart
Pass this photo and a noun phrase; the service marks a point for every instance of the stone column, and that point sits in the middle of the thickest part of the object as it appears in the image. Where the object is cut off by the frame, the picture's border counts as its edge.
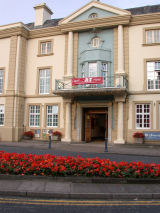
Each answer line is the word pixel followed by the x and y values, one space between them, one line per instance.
pixel 120 71
pixel 120 122
pixel 68 122
pixel 120 50
pixel 70 55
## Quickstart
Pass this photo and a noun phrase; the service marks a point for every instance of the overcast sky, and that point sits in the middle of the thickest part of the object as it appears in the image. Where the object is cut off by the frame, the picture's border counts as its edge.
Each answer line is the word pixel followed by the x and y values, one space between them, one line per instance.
pixel 12 11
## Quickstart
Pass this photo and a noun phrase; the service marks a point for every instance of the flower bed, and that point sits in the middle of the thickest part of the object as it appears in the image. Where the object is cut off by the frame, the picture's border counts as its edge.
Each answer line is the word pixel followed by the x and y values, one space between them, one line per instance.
pixel 50 165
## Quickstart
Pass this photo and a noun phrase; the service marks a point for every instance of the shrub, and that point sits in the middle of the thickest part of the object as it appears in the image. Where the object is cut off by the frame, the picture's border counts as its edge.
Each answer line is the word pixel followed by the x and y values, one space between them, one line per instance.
pixel 57 133
pixel 51 165
pixel 138 135
pixel 29 134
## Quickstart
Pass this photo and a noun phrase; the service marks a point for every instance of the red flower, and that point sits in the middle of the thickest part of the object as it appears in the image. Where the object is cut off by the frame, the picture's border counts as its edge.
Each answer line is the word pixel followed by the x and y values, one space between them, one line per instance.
pixel 57 133
pixel 138 135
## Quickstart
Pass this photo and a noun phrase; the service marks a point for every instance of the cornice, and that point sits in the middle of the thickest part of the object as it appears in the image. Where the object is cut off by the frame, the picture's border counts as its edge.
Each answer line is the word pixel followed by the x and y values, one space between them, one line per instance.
pixel 151 18
pixel 20 29
pixel 45 32
pixel 144 92
pixel 96 23
pixel 15 31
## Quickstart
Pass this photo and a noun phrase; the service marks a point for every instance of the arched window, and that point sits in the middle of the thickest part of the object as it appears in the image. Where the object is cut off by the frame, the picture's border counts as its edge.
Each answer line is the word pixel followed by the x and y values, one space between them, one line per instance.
pixel 93 15
pixel 95 42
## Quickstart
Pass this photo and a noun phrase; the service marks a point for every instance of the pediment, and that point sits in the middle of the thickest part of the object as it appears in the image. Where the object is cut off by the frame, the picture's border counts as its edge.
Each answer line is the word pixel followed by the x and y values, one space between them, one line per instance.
pixel 103 10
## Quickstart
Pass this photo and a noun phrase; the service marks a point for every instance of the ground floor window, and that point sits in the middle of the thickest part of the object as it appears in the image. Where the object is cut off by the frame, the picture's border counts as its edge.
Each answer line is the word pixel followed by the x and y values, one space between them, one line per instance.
pixel 34 116
pixel 52 116
pixel 1 115
pixel 143 120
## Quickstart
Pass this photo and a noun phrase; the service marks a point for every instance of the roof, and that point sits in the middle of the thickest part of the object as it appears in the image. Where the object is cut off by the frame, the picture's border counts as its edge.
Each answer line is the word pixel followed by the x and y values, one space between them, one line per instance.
pixel 134 11
pixel 145 9
pixel 48 23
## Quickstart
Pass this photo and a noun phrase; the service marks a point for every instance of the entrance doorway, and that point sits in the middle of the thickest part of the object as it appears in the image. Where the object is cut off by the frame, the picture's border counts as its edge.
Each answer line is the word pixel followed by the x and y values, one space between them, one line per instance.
pixel 95 124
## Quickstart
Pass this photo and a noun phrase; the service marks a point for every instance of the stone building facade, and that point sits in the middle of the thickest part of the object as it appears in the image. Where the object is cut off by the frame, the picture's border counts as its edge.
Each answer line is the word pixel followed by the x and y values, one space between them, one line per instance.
pixel 92 75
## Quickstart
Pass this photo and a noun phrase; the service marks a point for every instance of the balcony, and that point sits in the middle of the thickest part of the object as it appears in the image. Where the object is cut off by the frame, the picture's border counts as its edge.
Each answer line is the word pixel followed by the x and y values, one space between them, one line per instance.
pixel 113 85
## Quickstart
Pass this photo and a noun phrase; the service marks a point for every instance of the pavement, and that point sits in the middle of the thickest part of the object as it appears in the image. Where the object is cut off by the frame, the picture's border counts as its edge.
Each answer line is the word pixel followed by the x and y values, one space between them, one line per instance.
pixel 82 187
pixel 92 147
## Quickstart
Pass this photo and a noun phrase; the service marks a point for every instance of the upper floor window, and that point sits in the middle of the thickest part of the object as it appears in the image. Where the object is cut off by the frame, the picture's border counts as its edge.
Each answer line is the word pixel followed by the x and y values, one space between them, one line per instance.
pixel 95 42
pixel 143 116
pixel 93 15
pixel 52 116
pixel 153 36
pixel 44 81
pixel 104 67
pixel 92 70
pixel 1 81
pixel 46 47
pixel 1 115
pixel 153 75
pixel 34 116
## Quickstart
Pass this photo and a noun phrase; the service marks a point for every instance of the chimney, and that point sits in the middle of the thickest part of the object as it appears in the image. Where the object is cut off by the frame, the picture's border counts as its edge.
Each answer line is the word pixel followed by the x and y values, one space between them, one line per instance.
pixel 42 14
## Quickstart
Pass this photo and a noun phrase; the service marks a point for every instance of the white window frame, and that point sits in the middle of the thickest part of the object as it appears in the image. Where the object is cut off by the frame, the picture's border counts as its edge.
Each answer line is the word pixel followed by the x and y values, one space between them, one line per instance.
pixel 142 114
pixel 46 47
pixel 153 36
pixel 52 115
pixel 44 81
pixel 95 42
pixel 153 75
pixel 34 114
pixel 1 81
pixel 104 69
pixel 2 115
pixel 92 69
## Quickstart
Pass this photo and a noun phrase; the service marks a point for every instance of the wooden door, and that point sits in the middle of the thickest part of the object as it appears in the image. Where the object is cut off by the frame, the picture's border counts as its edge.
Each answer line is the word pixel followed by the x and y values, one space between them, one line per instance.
pixel 87 127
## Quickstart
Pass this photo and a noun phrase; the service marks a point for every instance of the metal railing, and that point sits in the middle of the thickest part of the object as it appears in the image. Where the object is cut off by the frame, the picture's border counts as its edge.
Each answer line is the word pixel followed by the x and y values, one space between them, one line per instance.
pixel 108 82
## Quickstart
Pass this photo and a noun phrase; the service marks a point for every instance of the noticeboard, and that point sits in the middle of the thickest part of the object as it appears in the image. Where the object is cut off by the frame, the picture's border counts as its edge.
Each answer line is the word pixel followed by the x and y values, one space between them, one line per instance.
pixel 152 136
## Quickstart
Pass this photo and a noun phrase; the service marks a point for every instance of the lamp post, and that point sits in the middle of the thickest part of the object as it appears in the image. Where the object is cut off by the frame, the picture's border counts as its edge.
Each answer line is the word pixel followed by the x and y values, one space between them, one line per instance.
pixel 106 143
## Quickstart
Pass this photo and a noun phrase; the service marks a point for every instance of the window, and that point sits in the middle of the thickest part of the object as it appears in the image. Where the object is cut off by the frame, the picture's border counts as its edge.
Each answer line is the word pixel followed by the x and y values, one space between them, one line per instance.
pixel 153 75
pixel 44 81
pixel 143 116
pixel 83 70
pixel 46 47
pixel 152 36
pixel 104 69
pixel 52 116
pixel 34 116
pixel 95 42
pixel 93 15
pixel 92 70
pixel 1 115
pixel 1 81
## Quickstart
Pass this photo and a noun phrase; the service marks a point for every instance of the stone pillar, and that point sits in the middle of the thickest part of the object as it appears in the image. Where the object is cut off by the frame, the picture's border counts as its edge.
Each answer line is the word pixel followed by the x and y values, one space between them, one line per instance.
pixel 70 55
pixel 120 73
pixel 120 122
pixel 68 122
pixel 120 50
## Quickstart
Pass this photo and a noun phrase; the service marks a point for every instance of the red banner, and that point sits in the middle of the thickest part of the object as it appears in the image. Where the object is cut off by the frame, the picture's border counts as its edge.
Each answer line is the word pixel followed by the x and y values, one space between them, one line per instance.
pixel 89 80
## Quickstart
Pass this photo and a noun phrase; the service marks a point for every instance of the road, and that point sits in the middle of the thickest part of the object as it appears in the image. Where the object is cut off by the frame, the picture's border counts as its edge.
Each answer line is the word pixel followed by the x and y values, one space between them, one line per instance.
pixel 28 205
pixel 112 157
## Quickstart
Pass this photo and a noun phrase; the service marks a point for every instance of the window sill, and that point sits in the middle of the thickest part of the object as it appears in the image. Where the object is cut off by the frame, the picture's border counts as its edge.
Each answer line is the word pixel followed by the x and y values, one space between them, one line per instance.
pixel 151 44
pixel 44 94
pixel 48 54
